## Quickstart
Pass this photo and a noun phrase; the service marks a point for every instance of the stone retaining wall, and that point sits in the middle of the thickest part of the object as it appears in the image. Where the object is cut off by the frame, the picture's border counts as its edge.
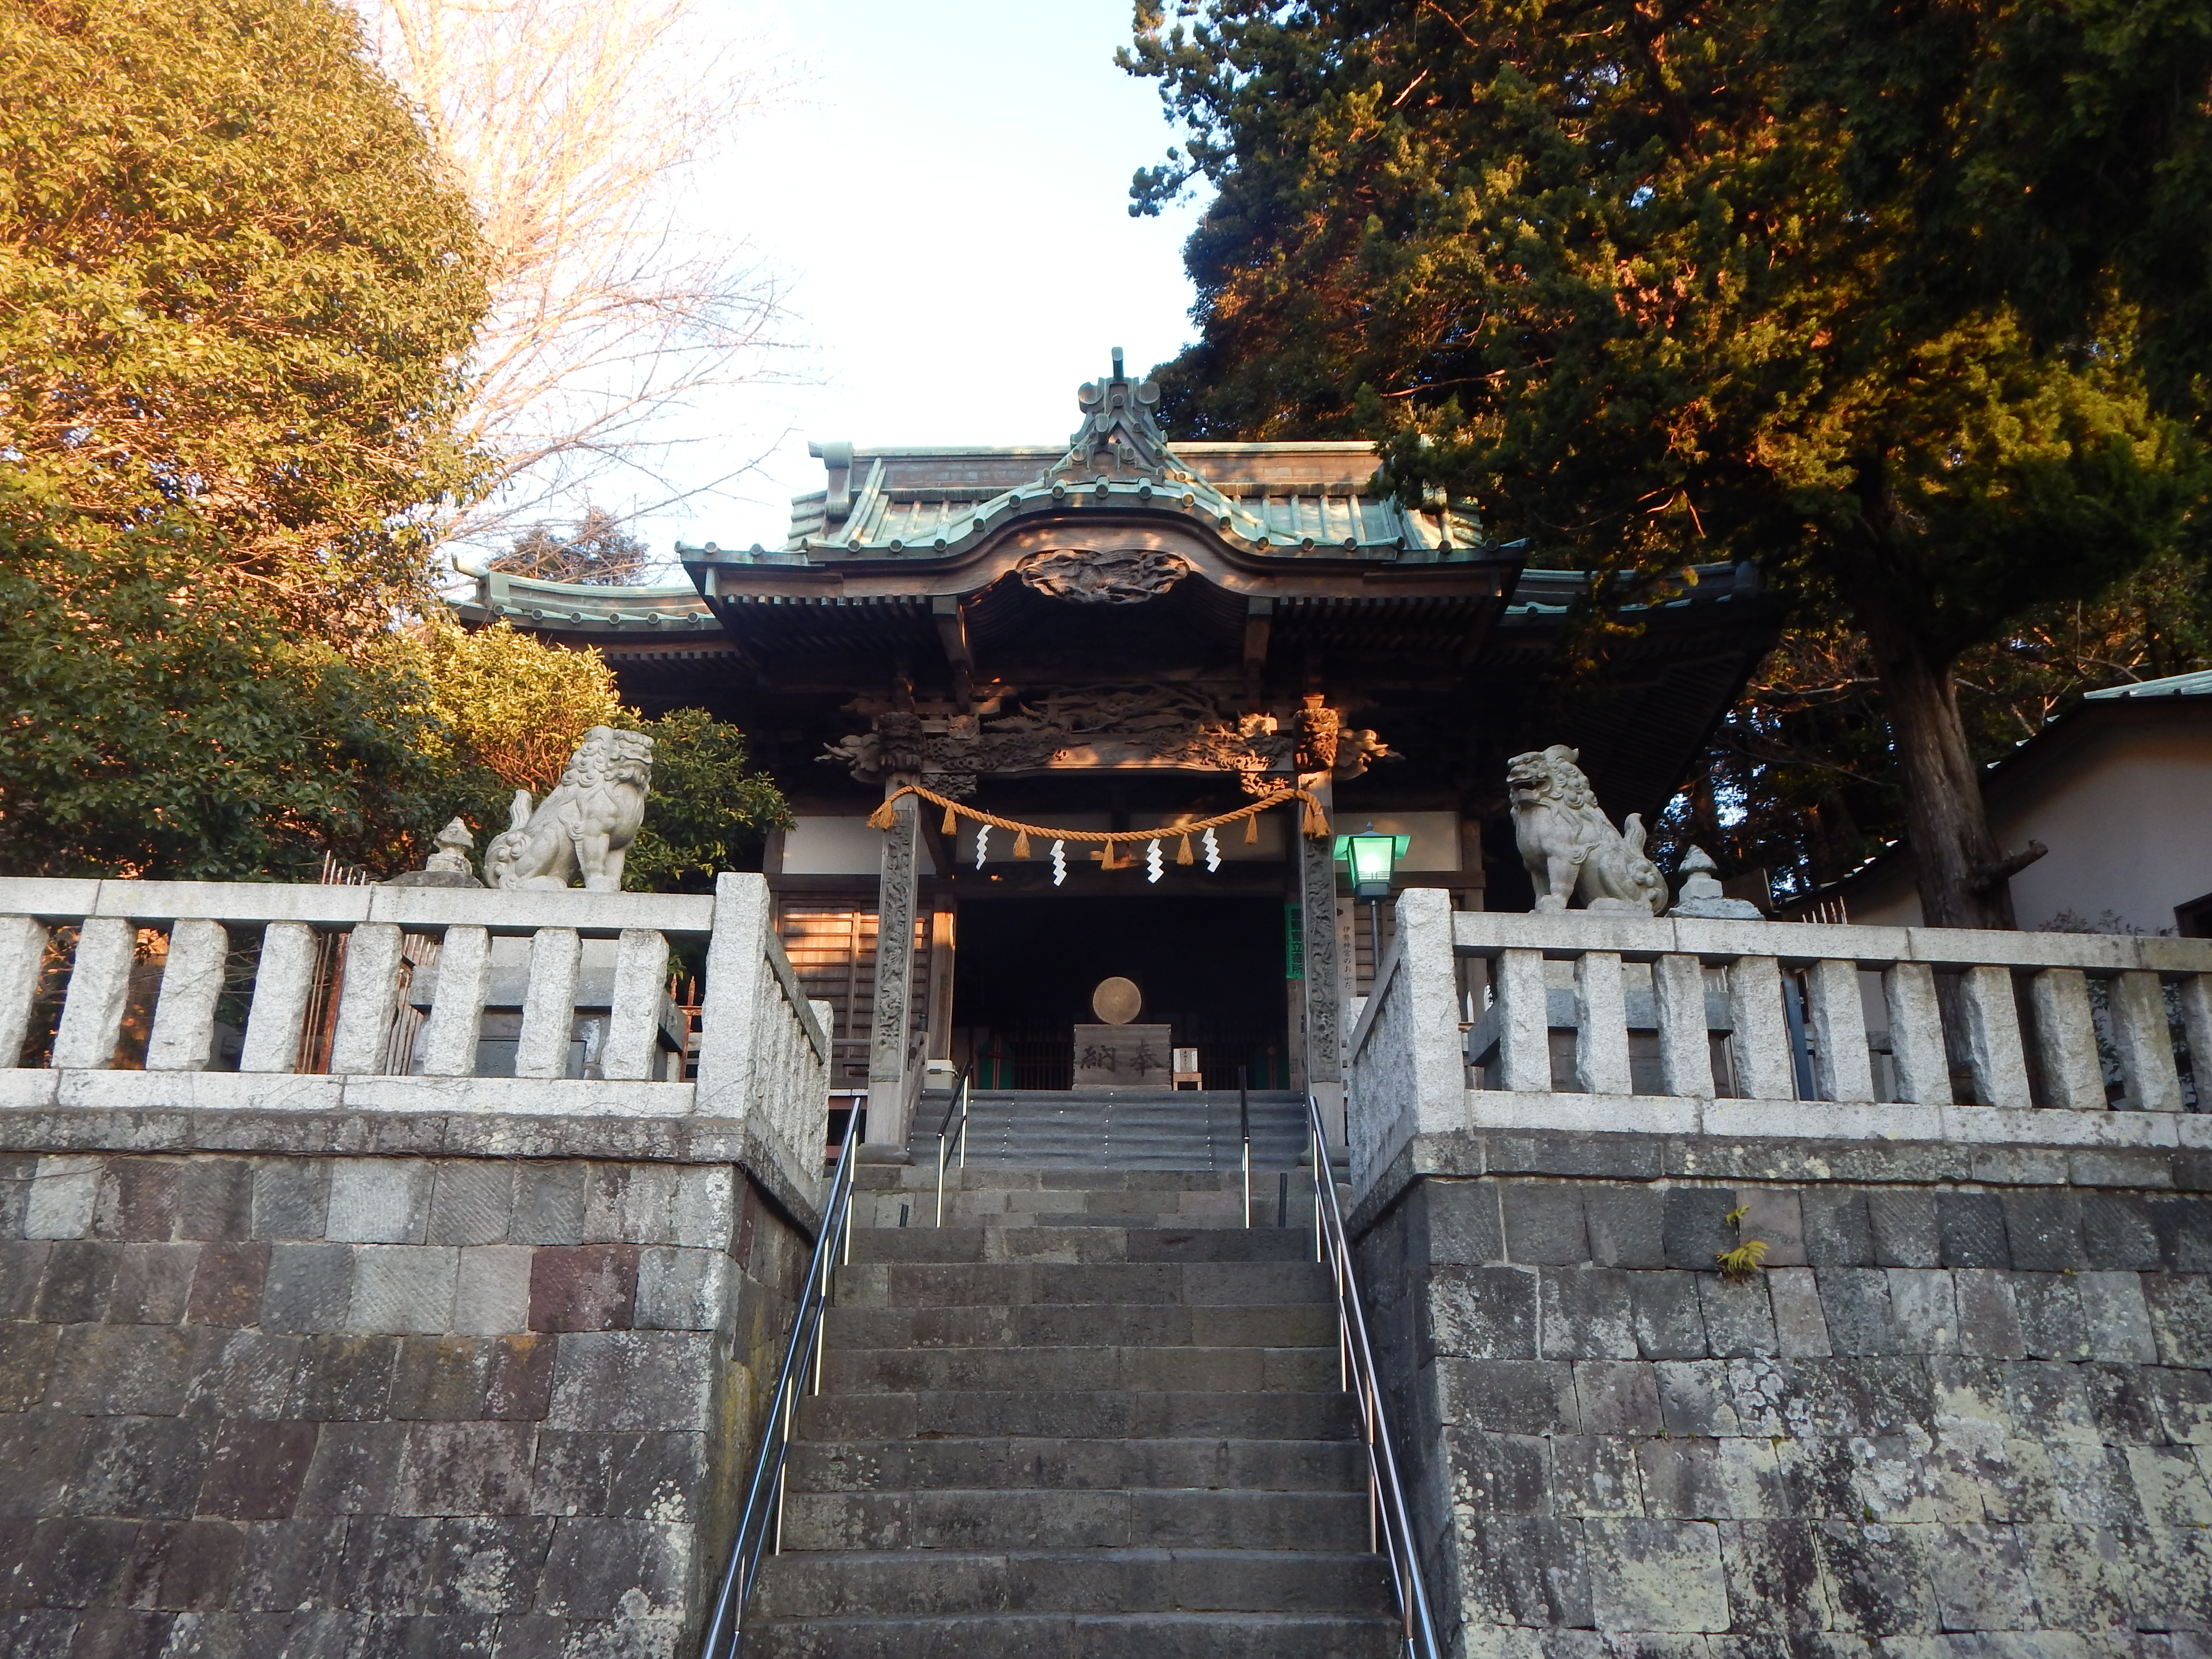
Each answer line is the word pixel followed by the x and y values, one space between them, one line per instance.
pixel 1965 1409
pixel 349 1406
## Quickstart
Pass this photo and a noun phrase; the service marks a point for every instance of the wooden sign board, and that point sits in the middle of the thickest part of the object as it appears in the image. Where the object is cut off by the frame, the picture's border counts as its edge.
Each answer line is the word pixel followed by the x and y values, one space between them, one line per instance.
pixel 1124 1056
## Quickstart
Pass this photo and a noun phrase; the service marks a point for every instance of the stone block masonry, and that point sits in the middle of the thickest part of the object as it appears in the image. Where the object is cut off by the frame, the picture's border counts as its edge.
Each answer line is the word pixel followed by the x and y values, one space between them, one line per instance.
pixel 280 1401
pixel 1965 1408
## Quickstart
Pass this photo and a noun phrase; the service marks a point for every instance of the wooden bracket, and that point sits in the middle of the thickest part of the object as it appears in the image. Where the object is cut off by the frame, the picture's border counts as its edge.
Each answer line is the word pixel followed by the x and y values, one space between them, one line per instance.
pixel 1259 623
pixel 952 632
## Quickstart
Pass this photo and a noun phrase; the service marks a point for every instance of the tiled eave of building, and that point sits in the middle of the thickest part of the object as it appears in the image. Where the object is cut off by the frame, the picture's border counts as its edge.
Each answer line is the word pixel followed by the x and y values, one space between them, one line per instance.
pixel 943 521
pixel 678 618
pixel 889 502
pixel 590 614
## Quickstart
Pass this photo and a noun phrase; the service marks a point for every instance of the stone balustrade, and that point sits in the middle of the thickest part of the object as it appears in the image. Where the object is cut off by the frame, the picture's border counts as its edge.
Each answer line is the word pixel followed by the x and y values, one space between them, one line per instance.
pixel 1754 1029
pixel 267 950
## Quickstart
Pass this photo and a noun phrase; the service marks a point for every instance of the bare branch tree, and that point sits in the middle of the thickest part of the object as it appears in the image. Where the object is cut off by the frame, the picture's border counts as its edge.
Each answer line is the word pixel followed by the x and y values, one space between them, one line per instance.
pixel 578 128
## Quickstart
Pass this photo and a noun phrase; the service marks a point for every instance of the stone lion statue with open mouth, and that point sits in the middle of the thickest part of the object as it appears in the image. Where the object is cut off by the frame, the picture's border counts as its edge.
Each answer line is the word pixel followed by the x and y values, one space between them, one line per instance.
pixel 1573 854
pixel 585 826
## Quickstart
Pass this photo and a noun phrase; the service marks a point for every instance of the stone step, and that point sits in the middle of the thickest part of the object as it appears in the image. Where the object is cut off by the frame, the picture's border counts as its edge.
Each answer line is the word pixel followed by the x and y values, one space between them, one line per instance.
pixel 1080 1243
pixel 1083 1413
pixel 1039 1464
pixel 1143 1198
pixel 1154 1186
pixel 1098 1129
pixel 937 1583
pixel 1130 1284
pixel 992 1518
pixel 1223 1370
pixel 1077 1324
pixel 1081 1635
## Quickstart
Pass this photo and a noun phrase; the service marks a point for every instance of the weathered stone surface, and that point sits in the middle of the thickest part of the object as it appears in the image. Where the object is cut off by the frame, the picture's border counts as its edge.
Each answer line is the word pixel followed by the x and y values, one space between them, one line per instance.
pixel 1626 1225
pixel 1977 1422
pixel 1508 1396
pixel 1739 1319
pixel 403 1289
pixel 1482 1313
pixel 1617 1398
pixel 1800 1327
pixel 590 1287
pixel 1544 1223
pixel 1697 1225
pixel 439 1378
pixel 379 1200
pixel 1584 1314
pixel 471 1202
pixel 1838 1228
pixel 620 1380
pixel 549 1204
pixel 277 1404
pixel 1669 1320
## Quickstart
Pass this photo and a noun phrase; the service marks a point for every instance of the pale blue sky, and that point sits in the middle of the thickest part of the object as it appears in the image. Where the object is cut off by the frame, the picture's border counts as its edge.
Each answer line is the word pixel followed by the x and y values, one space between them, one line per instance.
pixel 948 193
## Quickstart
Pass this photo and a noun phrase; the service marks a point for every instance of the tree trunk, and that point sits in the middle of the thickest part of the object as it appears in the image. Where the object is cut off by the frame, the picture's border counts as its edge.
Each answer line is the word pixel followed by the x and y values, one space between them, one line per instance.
pixel 1945 823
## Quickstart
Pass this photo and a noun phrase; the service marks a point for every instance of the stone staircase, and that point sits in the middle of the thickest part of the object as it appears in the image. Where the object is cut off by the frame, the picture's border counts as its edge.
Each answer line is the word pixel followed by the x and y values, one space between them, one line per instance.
pixel 1118 1129
pixel 1092 1415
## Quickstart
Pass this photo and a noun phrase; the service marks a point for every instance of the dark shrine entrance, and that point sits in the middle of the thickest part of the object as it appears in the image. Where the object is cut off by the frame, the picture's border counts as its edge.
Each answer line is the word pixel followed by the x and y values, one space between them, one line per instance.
pixel 1211 968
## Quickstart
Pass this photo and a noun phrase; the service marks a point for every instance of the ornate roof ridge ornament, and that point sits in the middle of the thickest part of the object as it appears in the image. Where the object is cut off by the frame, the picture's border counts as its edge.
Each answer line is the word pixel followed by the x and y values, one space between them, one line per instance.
pixel 1119 441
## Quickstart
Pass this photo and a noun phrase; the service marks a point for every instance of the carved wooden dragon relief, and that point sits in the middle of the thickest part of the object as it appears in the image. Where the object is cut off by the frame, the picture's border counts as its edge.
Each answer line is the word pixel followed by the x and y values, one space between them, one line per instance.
pixel 1147 724
pixel 1103 576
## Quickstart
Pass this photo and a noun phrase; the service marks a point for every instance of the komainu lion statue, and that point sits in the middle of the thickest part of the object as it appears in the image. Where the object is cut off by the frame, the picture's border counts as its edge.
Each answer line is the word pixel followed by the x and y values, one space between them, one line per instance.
pixel 585 826
pixel 1573 854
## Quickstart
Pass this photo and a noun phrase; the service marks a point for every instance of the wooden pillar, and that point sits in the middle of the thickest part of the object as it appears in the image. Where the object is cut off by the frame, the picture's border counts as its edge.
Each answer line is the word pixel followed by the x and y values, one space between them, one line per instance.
pixel 1324 986
pixel 889 1046
pixel 940 985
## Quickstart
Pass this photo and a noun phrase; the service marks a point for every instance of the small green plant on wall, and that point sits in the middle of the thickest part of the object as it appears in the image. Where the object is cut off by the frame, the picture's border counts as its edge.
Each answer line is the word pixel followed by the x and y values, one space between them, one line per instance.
pixel 1748 1260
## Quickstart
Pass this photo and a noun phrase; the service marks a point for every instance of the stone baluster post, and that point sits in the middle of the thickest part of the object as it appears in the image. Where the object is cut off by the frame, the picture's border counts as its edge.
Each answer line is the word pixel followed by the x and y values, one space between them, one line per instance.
pixel 1843 1066
pixel 22 956
pixel 1601 1025
pixel 2146 1044
pixel 183 1038
pixel 1685 1053
pixel 99 985
pixel 2066 1034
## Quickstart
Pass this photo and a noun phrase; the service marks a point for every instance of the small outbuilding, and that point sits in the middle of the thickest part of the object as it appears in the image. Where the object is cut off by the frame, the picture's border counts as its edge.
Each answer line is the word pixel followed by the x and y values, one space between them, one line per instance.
pixel 2119 789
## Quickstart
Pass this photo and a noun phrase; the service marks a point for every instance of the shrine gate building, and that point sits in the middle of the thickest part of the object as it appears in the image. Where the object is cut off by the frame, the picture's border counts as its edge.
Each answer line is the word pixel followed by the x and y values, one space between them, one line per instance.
pixel 1123 632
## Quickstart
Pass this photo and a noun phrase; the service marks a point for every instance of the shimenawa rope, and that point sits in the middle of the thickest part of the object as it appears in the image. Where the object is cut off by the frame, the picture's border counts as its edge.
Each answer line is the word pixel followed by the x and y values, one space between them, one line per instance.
pixel 1314 823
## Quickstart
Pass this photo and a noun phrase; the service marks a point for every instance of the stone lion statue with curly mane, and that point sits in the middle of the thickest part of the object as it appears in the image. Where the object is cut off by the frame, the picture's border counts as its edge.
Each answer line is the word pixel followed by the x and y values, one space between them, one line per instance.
pixel 1573 854
pixel 585 826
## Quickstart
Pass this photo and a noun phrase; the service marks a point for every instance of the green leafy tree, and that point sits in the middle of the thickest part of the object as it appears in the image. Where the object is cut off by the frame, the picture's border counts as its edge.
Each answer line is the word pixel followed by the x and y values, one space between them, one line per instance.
pixel 709 810
pixel 236 291
pixel 160 727
pixel 508 704
pixel 236 288
pixel 1637 281
pixel 506 710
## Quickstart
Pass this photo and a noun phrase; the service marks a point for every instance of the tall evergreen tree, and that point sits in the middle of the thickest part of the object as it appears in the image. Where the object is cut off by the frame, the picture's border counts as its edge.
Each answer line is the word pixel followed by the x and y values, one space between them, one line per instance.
pixel 1645 283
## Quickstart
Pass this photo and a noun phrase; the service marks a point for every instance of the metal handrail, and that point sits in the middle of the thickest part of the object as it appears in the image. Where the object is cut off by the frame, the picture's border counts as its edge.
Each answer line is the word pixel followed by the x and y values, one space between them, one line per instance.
pixel 1391 1529
pixel 960 1137
pixel 760 1529
pixel 1244 1132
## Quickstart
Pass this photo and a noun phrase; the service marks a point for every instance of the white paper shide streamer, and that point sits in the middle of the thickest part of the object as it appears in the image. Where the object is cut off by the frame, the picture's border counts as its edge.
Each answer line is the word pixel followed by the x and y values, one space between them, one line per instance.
pixel 982 840
pixel 1059 862
pixel 1212 853
pixel 1155 866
